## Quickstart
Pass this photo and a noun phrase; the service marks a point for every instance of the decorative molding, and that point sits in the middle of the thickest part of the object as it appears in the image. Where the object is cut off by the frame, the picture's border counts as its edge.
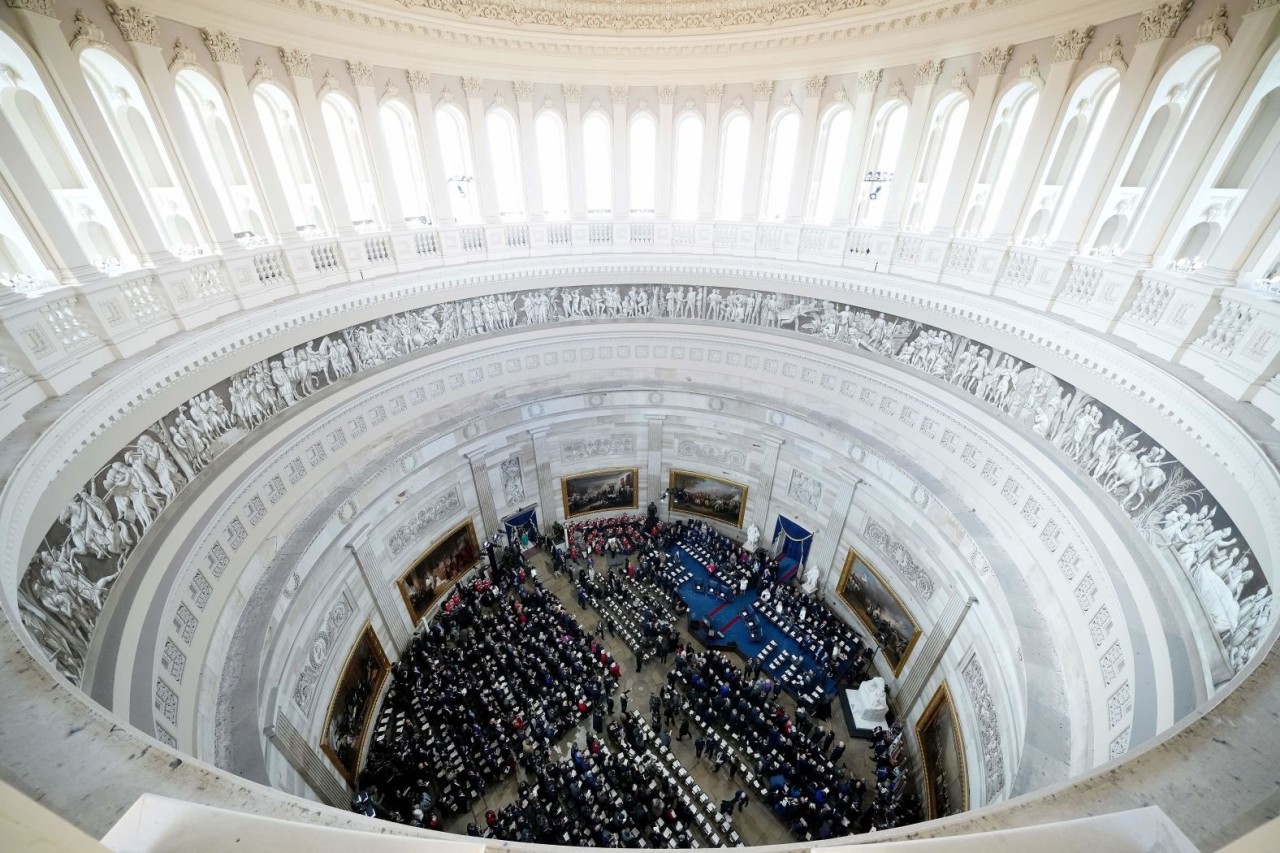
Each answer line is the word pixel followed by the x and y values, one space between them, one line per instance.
pixel 960 82
pixel 390 90
pixel 361 73
pixel 813 86
pixel 472 87
pixel 419 81
pixel 1112 53
pixel 183 56
pixel 1162 21
pixel 411 531
pixel 572 92
pixel 1030 70
pixel 87 33
pixel 666 94
pixel 869 81
pixel 1213 27
pixel 512 480
pixel 842 95
pixel 762 89
pixel 1069 46
pixel 988 726
pixel 524 91
pixel 898 90
pixel 901 558
pixel 319 649
pixel 619 94
pixel 1259 5
pixel 135 25
pixel 714 92
pixel 805 489
pixel 593 448
pixel 222 47
pixel 262 72
pixel 711 453
pixel 994 61
pixel 297 62
pixel 927 73
pixel 39 7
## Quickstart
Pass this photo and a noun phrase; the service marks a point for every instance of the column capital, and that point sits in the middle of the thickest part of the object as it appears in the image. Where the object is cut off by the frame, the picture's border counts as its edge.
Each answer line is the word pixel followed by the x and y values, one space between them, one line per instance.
pixel 927 73
pixel 572 92
pixel 1069 46
pixel 619 95
pixel 472 87
pixel 869 81
pixel 222 46
pixel 38 7
pixel 136 25
pixel 666 94
pixel 524 92
pixel 762 89
pixel 297 62
pixel 1161 22
pixel 419 81
pixel 361 73
pixel 994 61
pixel 813 86
pixel 714 92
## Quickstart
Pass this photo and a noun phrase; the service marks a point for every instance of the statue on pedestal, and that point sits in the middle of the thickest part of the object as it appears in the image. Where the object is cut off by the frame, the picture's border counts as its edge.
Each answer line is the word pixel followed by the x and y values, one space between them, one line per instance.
pixel 753 538
pixel 809 581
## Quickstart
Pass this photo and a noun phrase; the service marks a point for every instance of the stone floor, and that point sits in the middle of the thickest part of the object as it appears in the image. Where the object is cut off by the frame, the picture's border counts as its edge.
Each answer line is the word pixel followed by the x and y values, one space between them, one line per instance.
pixel 756 824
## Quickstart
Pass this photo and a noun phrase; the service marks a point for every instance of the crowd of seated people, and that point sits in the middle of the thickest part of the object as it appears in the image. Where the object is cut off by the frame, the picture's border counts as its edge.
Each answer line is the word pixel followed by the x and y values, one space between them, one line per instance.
pixel 813 625
pixel 616 535
pixel 797 766
pixel 725 559
pixel 502 673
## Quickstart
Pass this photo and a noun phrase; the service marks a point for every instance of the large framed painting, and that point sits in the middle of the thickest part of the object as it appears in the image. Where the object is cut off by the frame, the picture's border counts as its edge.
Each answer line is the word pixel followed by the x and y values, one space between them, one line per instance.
pixel 946 784
pixel 435 571
pixel 711 497
pixel 878 607
pixel 597 491
pixel 355 699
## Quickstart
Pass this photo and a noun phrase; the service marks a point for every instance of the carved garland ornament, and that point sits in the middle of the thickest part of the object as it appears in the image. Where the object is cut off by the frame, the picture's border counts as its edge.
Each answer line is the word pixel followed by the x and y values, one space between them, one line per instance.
pixel 713 454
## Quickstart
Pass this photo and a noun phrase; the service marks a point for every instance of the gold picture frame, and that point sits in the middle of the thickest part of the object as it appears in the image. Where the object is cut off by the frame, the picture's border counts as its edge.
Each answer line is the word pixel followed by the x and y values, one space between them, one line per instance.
pixel 870 590
pixel 704 486
pixel 441 565
pixel 936 733
pixel 589 492
pixel 344 737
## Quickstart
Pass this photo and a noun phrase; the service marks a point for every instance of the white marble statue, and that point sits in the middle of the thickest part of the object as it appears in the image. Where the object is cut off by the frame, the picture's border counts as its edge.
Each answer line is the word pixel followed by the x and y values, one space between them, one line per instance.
pixel 753 537
pixel 872 695
pixel 809 581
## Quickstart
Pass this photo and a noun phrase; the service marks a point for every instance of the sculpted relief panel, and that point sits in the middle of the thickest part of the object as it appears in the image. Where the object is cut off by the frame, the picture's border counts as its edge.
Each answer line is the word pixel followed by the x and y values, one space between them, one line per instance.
pixel 70 576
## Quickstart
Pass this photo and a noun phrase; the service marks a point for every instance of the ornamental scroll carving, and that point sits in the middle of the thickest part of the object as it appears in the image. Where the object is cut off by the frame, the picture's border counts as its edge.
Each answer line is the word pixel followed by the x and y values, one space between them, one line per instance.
pixel 592 448
pixel 988 726
pixel 411 531
pixel 901 558
pixel 805 489
pixel 319 650
pixel 712 454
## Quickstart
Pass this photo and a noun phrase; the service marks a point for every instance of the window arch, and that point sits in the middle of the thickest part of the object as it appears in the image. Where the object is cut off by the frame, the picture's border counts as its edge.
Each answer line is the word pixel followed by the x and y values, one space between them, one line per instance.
pixel 206 114
pixel 504 158
pixel 831 155
pixel 127 114
pixel 290 158
pixel 553 164
pixel 20 263
pixel 1078 135
pixel 597 156
pixel 735 140
pixel 780 164
pixel 882 160
pixel 455 154
pixel 642 150
pixel 941 145
pixel 1000 155
pixel 408 171
pixel 688 166
pixel 342 125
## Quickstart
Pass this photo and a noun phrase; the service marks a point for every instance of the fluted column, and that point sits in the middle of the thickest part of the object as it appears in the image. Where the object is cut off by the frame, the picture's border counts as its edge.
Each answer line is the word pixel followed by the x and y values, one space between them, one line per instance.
pixel 484 492
pixel 1125 113
pixel 171 122
pixel 573 144
pixel 121 190
pixel 827 543
pixel 1178 187
pixel 367 104
pixel 802 173
pixel 908 167
pixel 859 135
pixel 1035 145
pixel 441 201
pixel 663 172
pixel 297 64
pixel 763 90
pixel 927 655
pixel 760 498
pixel 710 152
pixel 653 455
pixel 621 163
pixel 549 508
pixel 529 152
pixel 390 604
pixel 226 57
pixel 990 68
pixel 314 768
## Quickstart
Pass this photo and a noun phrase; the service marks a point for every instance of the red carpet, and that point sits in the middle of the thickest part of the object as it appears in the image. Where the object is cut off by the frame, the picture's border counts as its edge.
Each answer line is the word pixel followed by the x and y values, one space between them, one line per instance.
pixel 730 623
pixel 722 606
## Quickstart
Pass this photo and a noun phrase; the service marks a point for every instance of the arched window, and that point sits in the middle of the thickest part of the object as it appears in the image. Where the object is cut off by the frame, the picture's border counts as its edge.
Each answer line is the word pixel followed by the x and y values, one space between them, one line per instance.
pixel 735 139
pixel 553 159
pixel 342 125
pixel 1259 138
pixel 780 164
pixel 597 155
pixel 999 158
pixel 882 160
pixel 1071 152
pixel 688 167
pixel 1176 98
pixel 206 114
pixel 408 172
pixel 832 156
pixel 20 265
pixel 504 155
pixel 455 154
pixel 940 149
pixel 290 158
pixel 642 149
pixel 127 114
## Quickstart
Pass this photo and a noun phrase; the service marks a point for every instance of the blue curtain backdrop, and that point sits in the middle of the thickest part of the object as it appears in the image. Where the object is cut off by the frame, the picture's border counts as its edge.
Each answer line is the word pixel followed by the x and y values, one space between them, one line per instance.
pixel 796 541
pixel 522 519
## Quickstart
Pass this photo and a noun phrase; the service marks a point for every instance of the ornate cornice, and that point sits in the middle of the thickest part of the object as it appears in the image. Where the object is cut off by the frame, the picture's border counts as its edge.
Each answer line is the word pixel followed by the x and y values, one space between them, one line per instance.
pixel 223 47
pixel 572 93
pixel 927 73
pixel 419 81
pixel 183 56
pixel 994 61
pixel 869 81
pixel 472 87
pixel 297 62
pixel 1213 27
pixel 40 7
pixel 135 25
pixel 361 73
pixel 763 89
pixel 87 34
pixel 1070 45
pixel 1162 21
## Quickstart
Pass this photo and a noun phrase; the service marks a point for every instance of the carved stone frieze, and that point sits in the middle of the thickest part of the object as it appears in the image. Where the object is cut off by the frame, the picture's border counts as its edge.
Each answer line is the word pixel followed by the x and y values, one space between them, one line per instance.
pixel 593 448
pixel 411 531
pixel 222 47
pixel 994 61
pixel 512 480
pixel 711 453
pixel 988 726
pixel 805 489
pixel 907 567
pixel 321 646
pixel 1069 46
pixel 297 62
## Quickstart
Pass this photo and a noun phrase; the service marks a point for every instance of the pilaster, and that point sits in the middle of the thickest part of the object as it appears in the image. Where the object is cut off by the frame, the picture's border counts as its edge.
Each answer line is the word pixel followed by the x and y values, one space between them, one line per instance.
pixel 827 543
pixel 370 562
pixel 653 456
pixel 710 152
pixel 441 201
pixel 847 200
pixel 907 168
pixel 314 768
pixel 484 492
pixel 763 90
pixel 962 168
pixel 573 144
pixel 367 105
pixel 663 171
pixel 550 508
pixel 760 499
pixel 298 66
pixel 804 164
pixel 927 655
pixel 529 152
pixel 621 162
